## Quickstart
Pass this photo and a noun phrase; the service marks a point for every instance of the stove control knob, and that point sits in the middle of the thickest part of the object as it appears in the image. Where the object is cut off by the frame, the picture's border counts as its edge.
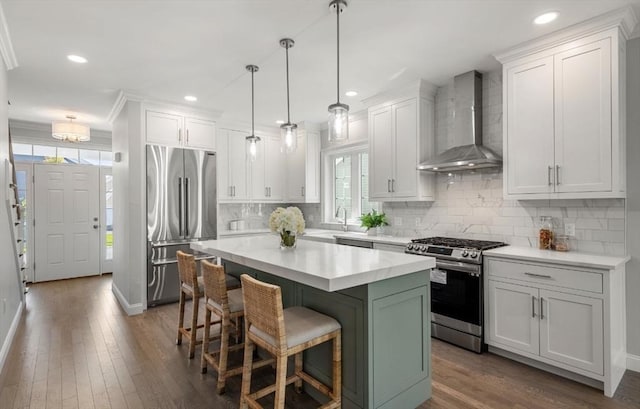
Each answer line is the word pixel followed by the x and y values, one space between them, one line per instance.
pixel 423 248
pixel 473 254
pixel 465 253
pixel 410 247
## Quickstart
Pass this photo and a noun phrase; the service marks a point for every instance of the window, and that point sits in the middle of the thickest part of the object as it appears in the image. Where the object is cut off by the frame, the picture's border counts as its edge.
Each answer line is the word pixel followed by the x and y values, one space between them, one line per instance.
pixel 53 155
pixel 347 185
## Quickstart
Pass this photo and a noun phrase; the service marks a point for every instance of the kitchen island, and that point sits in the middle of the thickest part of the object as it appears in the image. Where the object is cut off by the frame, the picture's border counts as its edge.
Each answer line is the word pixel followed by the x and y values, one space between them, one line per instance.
pixel 380 298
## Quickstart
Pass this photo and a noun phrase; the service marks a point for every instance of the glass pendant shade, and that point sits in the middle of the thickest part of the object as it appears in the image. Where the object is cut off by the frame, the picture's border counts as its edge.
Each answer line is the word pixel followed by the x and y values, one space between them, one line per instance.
pixel 288 137
pixel 338 122
pixel 70 131
pixel 252 147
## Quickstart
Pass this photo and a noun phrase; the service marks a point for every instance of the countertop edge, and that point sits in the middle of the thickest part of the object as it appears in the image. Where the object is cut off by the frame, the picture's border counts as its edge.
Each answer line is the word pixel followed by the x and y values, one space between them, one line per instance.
pixel 574 259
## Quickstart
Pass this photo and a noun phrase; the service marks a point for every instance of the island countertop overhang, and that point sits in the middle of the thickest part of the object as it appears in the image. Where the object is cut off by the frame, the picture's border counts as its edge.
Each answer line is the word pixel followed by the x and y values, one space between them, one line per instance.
pixel 325 266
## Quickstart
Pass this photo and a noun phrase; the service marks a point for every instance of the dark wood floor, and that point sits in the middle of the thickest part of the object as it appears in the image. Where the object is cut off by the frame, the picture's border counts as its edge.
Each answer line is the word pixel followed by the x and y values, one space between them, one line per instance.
pixel 77 349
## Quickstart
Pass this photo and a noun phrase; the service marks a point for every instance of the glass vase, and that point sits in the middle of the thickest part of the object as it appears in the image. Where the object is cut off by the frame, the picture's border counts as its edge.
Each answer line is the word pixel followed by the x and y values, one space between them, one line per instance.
pixel 287 240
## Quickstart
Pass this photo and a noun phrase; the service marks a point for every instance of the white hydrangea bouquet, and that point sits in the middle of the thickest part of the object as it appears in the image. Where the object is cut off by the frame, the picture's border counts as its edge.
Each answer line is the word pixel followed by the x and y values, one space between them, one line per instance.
pixel 287 223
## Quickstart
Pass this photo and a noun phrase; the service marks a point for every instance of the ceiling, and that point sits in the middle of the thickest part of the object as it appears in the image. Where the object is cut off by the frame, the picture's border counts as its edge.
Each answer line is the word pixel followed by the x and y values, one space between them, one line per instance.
pixel 168 49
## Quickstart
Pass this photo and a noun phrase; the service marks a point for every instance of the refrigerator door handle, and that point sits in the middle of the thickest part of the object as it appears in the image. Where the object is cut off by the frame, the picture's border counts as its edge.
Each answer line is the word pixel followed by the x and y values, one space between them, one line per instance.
pixel 180 207
pixel 186 207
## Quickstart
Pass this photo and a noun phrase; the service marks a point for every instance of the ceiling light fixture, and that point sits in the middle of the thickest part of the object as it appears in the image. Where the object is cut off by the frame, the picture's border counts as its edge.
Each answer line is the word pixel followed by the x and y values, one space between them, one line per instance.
pixel 191 98
pixel 77 59
pixel 288 131
pixel 351 93
pixel 338 113
pixel 546 18
pixel 70 131
pixel 279 121
pixel 252 140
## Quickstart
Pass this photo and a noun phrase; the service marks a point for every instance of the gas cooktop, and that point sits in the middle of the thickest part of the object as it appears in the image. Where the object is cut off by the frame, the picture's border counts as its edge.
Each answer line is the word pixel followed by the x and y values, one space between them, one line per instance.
pixel 452 248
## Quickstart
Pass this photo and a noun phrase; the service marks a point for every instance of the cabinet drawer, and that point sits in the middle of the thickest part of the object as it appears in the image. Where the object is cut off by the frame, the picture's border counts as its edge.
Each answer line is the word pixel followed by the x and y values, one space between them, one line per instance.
pixel 558 277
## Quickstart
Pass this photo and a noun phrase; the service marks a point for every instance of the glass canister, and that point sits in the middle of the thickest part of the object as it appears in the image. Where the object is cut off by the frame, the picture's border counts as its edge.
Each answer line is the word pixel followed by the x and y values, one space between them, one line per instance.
pixel 545 234
pixel 561 242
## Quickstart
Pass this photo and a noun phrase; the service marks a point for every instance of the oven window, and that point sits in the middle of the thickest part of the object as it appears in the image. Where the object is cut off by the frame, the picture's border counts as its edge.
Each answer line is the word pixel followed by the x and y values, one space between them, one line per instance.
pixel 459 298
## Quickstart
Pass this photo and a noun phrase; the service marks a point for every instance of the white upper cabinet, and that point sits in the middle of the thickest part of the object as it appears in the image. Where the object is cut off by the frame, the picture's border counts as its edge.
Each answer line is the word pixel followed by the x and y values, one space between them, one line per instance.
pixel 268 171
pixel 178 130
pixel 564 113
pixel 232 166
pixel 401 135
pixel 303 169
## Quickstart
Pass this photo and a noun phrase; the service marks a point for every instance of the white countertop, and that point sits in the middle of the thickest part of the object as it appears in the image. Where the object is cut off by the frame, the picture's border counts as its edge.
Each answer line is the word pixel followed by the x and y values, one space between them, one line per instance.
pixel 326 266
pixel 246 232
pixel 571 258
pixel 386 239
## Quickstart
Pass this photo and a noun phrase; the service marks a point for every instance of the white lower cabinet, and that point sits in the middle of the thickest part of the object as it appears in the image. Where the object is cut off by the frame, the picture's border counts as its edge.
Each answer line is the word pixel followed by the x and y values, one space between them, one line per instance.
pixel 560 315
pixel 562 327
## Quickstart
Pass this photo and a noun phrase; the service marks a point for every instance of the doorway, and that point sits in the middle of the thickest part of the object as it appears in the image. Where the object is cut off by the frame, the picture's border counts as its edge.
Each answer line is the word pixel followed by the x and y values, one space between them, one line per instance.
pixel 67 221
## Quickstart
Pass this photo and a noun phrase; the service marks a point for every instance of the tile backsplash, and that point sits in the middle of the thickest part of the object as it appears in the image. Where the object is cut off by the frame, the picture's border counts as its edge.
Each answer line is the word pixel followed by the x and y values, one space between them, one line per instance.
pixel 471 205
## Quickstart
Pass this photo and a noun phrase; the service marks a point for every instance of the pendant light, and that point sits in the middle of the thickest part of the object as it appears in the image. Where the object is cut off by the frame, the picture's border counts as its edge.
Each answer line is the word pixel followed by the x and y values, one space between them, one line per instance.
pixel 338 112
pixel 288 131
pixel 70 131
pixel 252 140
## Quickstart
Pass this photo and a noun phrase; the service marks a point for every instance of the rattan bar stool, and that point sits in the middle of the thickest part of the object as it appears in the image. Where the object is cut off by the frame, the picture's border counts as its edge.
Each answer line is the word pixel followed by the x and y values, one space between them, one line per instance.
pixel 283 333
pixel 193 286
pixel 228 305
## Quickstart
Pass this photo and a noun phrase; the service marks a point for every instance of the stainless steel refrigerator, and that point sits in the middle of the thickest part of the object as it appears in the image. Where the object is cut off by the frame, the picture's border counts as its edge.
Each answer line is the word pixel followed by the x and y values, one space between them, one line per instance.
pixel 181 208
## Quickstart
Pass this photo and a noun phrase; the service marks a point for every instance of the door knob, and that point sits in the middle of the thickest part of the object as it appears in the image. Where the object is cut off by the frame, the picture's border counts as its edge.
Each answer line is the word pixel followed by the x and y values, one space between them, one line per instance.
pixel 95 226
pixel 95 219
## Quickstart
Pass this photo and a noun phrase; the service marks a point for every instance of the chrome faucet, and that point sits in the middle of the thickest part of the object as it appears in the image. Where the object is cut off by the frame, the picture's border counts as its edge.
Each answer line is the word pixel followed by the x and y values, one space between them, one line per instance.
pixel 344 221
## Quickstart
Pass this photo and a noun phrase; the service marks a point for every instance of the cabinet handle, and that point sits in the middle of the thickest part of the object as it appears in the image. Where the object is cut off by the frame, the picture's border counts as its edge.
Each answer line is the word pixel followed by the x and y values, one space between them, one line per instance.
pixel 269 191
pixel 266 191
pixel 187 136
pixel 302 189
pixel 537 275
pixel 541 306
pixel 393 185
pixel 557 174
pixel 389 185
pixel 549 172
pixel 234 191
pixel 533 306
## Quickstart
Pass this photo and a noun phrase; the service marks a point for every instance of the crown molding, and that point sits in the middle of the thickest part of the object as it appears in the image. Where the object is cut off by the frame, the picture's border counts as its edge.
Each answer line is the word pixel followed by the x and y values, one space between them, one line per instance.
pixel 6 46
pixel 420 88
pixel 623 18
pixel 125 96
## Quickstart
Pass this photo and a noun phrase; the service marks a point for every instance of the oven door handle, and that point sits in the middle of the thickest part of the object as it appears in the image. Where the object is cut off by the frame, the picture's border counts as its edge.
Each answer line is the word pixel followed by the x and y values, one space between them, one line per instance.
pixel 457 266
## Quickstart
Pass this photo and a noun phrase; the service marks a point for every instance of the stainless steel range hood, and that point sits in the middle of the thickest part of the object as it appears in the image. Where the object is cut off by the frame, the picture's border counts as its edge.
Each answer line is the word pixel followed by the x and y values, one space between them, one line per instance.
pixel 468 152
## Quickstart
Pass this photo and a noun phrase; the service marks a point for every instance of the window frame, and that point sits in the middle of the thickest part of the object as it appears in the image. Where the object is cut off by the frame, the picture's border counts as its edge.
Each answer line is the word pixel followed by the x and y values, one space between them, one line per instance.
pixel 328 187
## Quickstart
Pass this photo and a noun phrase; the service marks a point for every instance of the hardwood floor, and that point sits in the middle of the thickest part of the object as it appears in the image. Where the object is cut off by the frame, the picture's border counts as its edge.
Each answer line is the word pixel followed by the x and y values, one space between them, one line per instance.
pixel 77 349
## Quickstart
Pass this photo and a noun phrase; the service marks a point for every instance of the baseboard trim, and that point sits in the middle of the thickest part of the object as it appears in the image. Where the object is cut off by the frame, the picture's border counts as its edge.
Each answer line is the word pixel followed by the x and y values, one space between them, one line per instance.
pixel 130 309
pixel 8 341
pixel 633 362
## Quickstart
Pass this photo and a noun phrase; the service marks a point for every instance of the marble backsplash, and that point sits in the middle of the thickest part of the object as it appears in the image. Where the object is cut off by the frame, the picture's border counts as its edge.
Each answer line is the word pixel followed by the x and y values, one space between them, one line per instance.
pixel 256 215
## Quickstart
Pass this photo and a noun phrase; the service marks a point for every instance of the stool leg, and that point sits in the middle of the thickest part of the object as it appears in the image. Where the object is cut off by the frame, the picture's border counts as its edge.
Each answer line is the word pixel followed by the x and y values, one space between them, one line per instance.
pixel 281 380
pixel 194 326
pixel 337 367
pixel 246 372
pixel 180 318
pixel 205 340
pixel 224 352
pixel 298 363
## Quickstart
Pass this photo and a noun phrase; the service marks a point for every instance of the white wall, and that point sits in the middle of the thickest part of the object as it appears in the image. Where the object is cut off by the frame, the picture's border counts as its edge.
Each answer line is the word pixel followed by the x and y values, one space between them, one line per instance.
pixel 633 197
pixel 10 297
pixel 129 219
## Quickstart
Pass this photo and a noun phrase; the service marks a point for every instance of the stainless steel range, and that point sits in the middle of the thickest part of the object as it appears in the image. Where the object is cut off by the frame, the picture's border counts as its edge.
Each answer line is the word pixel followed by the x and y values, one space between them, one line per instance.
pixel 456 288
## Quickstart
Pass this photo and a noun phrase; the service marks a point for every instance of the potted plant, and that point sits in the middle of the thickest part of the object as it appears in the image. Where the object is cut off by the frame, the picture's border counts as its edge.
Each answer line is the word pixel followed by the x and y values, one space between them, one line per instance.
pixel 373 221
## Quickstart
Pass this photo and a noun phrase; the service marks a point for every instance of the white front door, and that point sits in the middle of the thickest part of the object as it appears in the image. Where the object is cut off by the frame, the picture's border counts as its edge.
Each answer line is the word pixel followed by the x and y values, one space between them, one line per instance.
pixel 67 221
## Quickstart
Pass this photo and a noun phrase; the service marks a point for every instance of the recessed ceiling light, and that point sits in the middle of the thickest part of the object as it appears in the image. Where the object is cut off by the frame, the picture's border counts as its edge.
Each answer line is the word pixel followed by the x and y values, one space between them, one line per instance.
pixel 546 17
pixel 351 93
pixel 76 58
pixel 190 98
pixel 279 121
pixel 471 164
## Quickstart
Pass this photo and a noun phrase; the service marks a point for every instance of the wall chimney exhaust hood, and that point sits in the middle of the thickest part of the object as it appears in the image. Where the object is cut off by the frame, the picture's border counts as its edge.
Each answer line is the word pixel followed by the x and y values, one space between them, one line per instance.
pixel 468 152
